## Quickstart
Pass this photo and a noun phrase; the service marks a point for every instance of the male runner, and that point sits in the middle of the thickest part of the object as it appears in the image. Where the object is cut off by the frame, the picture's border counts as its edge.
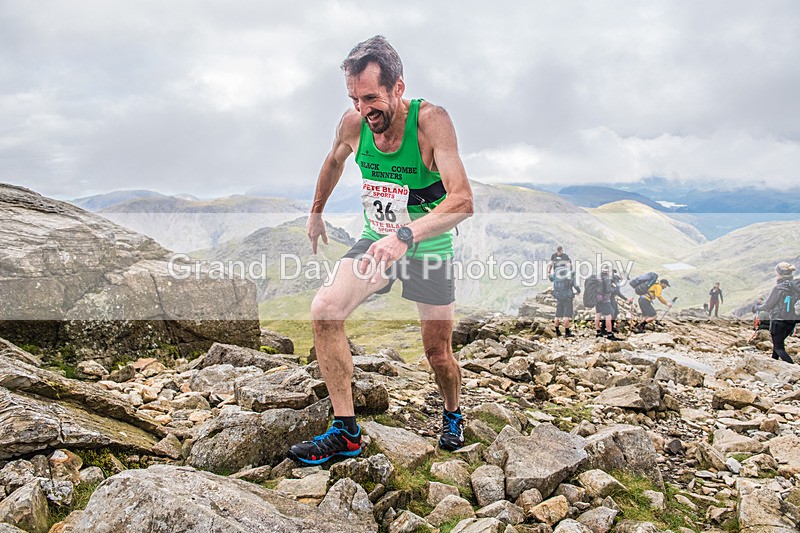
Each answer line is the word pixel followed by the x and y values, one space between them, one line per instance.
pixel 414 190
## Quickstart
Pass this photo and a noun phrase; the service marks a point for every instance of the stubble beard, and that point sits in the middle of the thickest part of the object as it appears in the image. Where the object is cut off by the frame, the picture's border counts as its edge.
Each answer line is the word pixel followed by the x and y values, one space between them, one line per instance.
pixel 383 124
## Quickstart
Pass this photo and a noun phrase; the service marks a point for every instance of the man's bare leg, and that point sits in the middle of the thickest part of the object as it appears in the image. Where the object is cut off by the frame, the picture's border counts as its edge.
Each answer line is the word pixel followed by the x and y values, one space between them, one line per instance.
pixel 437 335
pixel 331 306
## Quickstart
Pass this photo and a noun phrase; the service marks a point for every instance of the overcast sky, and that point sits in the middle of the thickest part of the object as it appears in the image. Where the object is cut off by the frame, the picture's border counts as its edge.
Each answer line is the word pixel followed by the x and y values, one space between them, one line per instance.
pixel 215 98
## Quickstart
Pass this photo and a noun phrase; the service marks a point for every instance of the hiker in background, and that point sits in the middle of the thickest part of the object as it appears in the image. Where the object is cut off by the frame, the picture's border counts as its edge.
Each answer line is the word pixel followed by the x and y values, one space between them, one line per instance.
pixel 781 307
pixel 564 291
pixel 603 309
pixel 558 259
pixel 646 300
pixel 716 298
pixel 616 281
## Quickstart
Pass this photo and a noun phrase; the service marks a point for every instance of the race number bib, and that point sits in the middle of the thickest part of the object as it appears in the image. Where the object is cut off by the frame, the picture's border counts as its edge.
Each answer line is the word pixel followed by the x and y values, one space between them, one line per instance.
pixel 386 205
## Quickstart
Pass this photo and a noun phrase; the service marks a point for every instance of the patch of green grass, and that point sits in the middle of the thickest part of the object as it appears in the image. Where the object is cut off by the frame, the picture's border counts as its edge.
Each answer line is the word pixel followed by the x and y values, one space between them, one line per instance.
pixel 731 525
pixel 767 473
pixel 495 422
pixel 741 456
pixel 448 526
pixel 567 416
pixel 677 515
pixel 101 457
pixel 268 349
pixel 271 484
pixel 169 350
pixel 30 348
pixel 80 499
pixel 64 360
pixel 420 507
pixel 387 420
pixel 634 505
pixel 415 481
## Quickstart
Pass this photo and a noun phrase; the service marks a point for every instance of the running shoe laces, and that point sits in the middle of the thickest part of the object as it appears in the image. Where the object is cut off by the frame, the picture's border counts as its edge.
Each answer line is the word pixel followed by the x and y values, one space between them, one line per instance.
pixel 452 431
pixel 335 441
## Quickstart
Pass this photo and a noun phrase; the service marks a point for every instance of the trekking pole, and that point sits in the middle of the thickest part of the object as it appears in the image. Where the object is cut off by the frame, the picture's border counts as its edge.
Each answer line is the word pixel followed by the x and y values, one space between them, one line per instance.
pixel 756 324
pixel 668 308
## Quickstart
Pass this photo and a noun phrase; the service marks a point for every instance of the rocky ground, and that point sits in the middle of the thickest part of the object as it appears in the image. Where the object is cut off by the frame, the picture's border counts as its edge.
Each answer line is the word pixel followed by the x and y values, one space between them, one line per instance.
pixel 688 428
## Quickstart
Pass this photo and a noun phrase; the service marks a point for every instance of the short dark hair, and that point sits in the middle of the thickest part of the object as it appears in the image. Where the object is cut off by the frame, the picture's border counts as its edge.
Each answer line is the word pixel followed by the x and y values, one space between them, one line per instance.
pixel 375 49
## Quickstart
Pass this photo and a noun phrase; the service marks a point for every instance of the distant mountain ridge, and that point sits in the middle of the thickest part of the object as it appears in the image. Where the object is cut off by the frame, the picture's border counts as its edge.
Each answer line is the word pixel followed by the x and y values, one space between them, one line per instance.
pixel 595 196
pixel 183 223
pixel 101 201
pixel 714 210
pixel 693 200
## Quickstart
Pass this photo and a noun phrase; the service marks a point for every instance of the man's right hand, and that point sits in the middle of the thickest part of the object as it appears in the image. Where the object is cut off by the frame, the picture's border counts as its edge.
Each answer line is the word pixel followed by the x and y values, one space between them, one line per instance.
pixel 316 229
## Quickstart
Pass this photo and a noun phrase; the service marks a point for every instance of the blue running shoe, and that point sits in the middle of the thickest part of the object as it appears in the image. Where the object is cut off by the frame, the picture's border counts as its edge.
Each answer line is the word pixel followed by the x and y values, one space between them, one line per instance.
pixel 452 431
pixel 335 441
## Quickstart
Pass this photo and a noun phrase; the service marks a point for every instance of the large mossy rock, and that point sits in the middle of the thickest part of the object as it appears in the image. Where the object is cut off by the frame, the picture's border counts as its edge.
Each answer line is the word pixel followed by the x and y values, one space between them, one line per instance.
pixel 69 277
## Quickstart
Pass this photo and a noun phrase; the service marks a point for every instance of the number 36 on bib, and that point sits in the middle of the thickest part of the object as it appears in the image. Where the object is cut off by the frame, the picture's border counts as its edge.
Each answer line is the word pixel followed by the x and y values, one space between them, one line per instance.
pixel 385 205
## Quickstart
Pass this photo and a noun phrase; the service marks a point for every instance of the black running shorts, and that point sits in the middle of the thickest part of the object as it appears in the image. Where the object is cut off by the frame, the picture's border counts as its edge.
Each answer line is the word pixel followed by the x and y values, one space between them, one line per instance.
pixel 604 308
pixel 433 285
pixel 647 307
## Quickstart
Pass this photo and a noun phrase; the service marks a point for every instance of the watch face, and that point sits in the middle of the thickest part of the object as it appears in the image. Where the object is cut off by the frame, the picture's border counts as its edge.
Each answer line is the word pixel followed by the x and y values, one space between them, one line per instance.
pixel 405 234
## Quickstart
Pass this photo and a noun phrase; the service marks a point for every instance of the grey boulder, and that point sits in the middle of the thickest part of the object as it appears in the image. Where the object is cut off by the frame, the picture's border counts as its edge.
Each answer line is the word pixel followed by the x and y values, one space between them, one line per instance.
pixel 168 498
pixel 623 447
pixel 644 396
pixel 541 461
pixel 236 438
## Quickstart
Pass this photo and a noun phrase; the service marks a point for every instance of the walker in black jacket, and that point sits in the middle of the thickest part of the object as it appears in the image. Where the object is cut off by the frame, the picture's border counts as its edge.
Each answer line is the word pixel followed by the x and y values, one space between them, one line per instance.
pixel 781 307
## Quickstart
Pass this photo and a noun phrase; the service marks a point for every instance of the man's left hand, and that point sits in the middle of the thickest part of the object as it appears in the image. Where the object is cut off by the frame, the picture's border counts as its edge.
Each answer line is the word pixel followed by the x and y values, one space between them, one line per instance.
pixel 384 253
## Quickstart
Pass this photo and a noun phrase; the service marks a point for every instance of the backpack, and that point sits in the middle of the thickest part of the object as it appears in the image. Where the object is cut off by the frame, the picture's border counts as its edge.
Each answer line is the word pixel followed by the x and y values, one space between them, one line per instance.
pixel 562 289
pixel 641 284
pixel 590 291
pixel 790 299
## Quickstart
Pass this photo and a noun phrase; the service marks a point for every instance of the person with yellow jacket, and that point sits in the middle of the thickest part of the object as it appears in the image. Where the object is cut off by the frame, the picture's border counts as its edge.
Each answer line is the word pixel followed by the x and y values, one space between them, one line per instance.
pixel 646 304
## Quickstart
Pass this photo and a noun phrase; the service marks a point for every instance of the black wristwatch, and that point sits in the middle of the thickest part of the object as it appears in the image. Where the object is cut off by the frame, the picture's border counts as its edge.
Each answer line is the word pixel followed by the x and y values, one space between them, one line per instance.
pixel 405 234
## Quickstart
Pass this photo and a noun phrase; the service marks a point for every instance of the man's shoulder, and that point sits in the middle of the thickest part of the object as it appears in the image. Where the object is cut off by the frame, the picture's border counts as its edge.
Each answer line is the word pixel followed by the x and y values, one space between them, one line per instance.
pixel 351 122
pixel 431 114
pixel 349 128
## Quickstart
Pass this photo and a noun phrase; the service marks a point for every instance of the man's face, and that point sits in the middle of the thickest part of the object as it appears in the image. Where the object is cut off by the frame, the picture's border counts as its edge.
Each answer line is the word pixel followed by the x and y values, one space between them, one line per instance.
pixel 372 100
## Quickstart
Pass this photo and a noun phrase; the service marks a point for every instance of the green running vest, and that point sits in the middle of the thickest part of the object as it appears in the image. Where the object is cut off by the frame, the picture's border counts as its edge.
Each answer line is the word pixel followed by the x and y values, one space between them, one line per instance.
pixel 398 188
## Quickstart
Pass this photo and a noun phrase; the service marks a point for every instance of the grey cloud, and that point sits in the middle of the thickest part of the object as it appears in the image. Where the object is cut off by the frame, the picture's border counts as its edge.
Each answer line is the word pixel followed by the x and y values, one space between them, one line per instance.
pixel 208 98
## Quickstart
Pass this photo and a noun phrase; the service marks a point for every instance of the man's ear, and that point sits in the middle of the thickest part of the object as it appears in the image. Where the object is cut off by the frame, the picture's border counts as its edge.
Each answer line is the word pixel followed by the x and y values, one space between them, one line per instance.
pixel 399 87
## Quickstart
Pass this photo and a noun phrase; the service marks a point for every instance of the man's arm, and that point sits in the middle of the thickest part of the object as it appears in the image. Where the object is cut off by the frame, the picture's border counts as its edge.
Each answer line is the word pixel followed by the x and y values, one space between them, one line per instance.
pixel 772 301
pixel 457 206
pixel 657 292
pixel 329 175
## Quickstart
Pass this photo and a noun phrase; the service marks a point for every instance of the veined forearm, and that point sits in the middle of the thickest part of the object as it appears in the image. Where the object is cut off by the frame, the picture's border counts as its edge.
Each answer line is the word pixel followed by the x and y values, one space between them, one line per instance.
pixel 444 217
pixel 326 182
